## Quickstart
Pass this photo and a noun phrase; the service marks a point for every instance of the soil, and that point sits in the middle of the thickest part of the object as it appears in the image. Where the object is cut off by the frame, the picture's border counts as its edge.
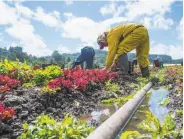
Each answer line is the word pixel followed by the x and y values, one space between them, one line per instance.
pixel 176 103
pixel 30 103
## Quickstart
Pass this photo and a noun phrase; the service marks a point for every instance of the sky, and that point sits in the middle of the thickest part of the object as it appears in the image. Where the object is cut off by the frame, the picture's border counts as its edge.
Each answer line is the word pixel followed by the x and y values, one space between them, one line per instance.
pixel 41 27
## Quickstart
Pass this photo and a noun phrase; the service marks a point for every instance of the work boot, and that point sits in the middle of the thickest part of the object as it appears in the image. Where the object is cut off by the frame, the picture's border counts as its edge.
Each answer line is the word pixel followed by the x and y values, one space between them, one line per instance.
pixel 123 64
pixel 145 72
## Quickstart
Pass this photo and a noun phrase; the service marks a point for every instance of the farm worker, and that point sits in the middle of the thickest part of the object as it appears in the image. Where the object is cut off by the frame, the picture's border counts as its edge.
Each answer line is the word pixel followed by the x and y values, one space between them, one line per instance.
pixel 159 61
pixel 87 55
pixel 122 39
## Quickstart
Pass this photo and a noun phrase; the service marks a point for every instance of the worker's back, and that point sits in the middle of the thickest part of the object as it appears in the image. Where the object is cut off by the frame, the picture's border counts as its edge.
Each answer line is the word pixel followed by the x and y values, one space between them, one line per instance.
pixel 87 52
pixel 123 29
pixel 87 56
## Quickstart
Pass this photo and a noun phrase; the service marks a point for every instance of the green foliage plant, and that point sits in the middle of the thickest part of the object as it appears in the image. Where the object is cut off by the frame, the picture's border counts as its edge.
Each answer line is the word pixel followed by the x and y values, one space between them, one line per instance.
pixel 112 87
pixel 47 128
pixel 119 101
pixel 28 85
pixel 42 76
pixel 179 112
pixel 153 126
pixel 130 135
pixel 164 102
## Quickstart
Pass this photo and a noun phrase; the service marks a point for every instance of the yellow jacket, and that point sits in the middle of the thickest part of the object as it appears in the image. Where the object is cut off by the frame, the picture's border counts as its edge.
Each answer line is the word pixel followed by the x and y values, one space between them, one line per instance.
pixel 113 38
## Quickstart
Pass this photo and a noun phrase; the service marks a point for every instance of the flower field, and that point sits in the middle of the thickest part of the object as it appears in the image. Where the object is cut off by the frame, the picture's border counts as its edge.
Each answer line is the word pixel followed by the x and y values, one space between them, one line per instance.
pixel 47 103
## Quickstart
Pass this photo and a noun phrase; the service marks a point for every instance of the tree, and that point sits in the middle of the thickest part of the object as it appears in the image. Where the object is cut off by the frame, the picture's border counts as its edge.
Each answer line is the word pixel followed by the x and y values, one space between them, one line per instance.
pixel 17 51
pixel 57 56
pixel 68 59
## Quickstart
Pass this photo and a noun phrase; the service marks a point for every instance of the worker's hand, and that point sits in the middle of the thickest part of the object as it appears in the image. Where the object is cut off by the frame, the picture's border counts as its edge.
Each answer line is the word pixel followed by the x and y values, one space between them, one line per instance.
pixel 113 67
pixel 105 68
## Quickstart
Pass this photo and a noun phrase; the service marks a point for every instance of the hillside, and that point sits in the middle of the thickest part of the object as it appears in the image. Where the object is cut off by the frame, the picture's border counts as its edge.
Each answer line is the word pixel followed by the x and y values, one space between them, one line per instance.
pixel 65 60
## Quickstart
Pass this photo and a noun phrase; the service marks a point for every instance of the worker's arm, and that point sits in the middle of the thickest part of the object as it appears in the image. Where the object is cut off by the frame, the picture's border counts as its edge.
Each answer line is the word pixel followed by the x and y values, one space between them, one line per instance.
pixel 113 40
pixel 116 59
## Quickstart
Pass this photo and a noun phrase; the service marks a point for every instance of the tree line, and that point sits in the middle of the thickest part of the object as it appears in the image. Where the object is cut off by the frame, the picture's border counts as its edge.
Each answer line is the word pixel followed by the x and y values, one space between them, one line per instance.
pixel 65 60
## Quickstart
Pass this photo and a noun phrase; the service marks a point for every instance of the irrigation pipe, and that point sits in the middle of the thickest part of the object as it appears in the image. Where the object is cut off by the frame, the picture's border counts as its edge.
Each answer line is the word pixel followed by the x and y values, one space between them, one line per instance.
pixel 113 125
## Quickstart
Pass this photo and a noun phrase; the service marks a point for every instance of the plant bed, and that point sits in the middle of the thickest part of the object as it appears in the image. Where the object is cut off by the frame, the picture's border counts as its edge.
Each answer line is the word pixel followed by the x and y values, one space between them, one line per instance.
pixel 29 103
pixel 175 104
pixel 172 78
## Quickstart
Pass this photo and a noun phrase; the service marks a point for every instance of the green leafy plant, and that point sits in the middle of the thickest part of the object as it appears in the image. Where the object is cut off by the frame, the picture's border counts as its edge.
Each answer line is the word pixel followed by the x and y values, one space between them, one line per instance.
pixel 47 128
pixel 16 70
pixel 42 76
pixel 119 101
pixel 130 135
pixel 179 112
pixel 112 87
pixel 164 101
pixel 3 70
pixel 46 89
pixel 158 130
pixel 28 85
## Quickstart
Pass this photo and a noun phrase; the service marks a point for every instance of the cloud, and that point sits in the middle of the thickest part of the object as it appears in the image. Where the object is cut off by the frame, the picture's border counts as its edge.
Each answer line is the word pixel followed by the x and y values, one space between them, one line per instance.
pixel 32 43
pixel 175 51
pixel 152 15
pixel 86 29
pixel 81 28
pixel 21 29
pixel 63 49
pixel 147 7
pixel 23 10
pixel 68 2
pixel 157 22
pixel 68 15
pixel 179 29
pixel 112 9
pixel 49 19
pixel 1 37
pixel 7 14
pixel 108 9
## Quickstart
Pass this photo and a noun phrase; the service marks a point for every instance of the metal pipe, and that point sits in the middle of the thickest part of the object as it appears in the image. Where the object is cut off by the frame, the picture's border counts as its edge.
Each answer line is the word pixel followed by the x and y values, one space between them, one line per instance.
pixel 113 125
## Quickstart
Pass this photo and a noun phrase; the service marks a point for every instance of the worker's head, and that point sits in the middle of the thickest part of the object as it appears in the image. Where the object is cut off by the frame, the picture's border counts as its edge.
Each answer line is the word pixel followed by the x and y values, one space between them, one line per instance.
pixel 102 40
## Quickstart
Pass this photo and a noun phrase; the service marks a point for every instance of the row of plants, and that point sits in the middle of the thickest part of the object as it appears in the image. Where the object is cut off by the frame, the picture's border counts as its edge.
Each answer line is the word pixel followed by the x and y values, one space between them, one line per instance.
pixel 175 74
pixel 53 77
pixel 45 127
pixel 151 127
pixel 154 128
pixel 81 79
pixel 14 73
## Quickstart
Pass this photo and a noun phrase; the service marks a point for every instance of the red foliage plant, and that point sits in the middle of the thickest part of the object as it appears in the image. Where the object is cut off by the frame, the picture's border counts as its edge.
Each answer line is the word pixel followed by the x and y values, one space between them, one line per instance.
pixel 6 83
pixel 79 78
pixel 6 112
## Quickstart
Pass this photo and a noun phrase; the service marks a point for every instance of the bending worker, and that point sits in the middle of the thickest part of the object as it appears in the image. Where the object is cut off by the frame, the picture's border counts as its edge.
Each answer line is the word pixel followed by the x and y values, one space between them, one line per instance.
pixel 122 39
pixel 87 55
